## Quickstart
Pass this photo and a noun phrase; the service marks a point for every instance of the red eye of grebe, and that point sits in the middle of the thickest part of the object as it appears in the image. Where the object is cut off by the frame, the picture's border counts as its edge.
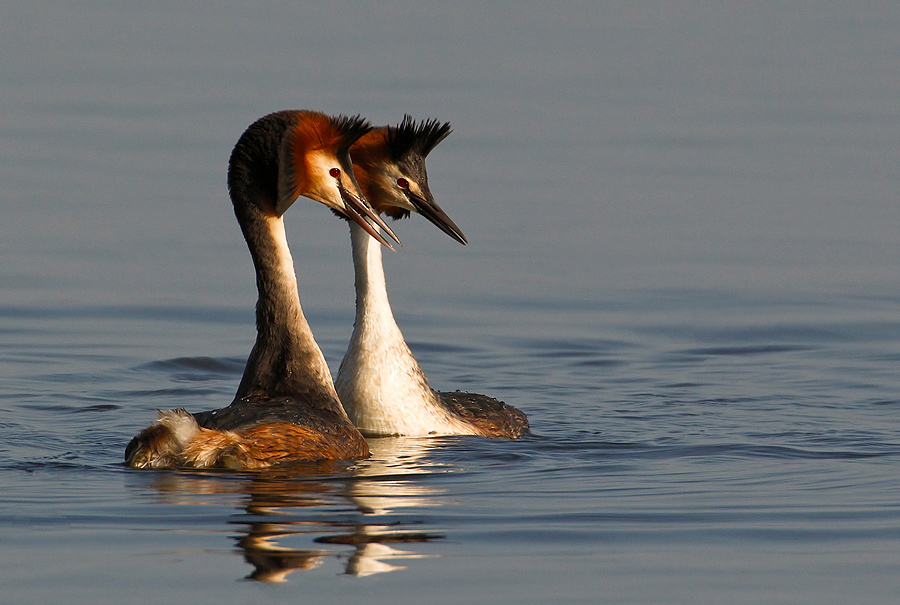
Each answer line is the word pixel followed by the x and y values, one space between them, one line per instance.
pixel 403 183
pixel 335 172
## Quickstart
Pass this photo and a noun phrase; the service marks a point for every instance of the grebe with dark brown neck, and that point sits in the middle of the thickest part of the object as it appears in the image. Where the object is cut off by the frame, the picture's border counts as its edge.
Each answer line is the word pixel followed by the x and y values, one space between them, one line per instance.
pixel 286 408
pixel 380 383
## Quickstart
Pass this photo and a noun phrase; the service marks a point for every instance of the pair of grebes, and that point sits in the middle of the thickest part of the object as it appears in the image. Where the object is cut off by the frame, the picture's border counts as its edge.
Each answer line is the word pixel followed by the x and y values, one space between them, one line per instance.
pixel 287 408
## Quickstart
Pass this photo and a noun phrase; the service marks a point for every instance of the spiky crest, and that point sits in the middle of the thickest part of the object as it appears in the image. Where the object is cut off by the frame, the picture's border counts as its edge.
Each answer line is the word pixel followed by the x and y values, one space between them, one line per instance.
pixel 411 137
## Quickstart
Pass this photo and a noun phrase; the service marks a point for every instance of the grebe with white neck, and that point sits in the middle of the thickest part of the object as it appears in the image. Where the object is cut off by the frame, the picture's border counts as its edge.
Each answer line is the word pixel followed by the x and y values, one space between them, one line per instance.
pixel 380 383
pixel 286 408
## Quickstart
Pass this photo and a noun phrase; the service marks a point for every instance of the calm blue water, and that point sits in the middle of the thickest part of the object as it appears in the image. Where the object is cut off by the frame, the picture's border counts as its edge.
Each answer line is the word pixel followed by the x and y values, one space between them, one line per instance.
pixel 684 267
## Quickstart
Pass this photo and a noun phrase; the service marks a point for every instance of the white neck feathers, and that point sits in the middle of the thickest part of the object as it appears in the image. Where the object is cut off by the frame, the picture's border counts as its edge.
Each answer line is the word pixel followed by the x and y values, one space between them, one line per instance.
pixel 380 383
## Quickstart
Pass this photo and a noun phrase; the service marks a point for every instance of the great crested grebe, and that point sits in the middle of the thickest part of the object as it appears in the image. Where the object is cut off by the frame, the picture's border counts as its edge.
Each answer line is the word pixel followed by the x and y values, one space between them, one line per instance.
pixel 380 383
pixel 286 407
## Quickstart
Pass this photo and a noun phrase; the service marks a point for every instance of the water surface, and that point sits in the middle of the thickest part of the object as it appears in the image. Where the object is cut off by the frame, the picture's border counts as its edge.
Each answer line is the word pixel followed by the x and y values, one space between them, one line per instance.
pixel 684 266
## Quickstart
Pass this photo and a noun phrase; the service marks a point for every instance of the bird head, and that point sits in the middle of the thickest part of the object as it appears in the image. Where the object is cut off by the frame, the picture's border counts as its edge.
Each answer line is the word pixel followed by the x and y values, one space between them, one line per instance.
pixel 314 162
pixel 389 164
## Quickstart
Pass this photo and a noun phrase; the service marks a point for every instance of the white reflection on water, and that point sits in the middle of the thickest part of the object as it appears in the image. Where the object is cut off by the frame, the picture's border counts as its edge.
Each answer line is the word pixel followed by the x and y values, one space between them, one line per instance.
pixel 380 488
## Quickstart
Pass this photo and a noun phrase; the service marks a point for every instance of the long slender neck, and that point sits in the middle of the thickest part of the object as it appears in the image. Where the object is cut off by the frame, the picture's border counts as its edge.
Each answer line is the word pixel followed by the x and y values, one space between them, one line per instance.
pixel 381 385
pixel 285 361
pixel 377 347
pixel 371 289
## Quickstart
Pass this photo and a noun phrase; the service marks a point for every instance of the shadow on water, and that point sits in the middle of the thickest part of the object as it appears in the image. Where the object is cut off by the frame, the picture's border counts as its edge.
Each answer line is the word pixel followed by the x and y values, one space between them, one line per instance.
pixel 298 517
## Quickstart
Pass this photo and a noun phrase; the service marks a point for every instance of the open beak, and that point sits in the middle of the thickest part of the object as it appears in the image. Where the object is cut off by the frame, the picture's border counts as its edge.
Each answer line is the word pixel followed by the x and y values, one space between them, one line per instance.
pixel 433 212
pixel 359 210
pixel 361 213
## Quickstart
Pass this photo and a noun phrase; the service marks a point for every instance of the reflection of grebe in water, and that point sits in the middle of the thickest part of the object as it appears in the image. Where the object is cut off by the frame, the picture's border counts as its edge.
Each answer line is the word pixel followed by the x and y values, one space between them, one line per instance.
pixel 380 383
pixel 384 489
pixel 286 407
pixel 301 516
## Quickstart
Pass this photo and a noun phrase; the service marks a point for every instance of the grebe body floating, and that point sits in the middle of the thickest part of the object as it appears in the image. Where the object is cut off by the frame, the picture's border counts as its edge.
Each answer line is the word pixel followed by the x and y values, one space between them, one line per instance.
pixel 286 408
pixel 380 383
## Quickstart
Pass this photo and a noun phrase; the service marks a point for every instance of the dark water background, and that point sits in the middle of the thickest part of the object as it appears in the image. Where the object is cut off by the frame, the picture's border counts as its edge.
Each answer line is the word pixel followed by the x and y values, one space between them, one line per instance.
pixel 684 267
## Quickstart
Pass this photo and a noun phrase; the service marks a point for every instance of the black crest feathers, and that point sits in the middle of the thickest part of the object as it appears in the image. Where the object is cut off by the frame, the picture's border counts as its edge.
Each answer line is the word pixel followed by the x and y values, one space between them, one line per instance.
pixel 415 138
pixel 349 129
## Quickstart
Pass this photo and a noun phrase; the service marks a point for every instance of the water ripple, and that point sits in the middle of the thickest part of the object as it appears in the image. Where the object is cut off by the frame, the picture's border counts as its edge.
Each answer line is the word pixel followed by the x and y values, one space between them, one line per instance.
pixel 210 366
